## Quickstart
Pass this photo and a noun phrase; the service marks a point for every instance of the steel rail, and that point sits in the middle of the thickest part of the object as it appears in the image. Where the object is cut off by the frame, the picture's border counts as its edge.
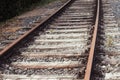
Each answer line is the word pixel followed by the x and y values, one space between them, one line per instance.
pixel 15 42
pixel 92 49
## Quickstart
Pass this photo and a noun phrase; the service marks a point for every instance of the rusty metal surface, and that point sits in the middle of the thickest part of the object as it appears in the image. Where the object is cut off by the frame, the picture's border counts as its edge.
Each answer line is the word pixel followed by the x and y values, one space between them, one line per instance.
pixel 27 33
pixel 91 54
pixel 92 49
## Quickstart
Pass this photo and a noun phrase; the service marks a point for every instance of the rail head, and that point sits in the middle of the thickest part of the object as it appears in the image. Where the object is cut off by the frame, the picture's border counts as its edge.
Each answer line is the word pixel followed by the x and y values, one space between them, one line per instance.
pixel 90 59
pixel 92 48
pixel 15 42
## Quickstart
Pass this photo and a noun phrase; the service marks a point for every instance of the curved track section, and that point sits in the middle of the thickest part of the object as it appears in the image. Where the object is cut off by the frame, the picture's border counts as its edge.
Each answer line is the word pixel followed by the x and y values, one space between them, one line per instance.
pixel 93 43
pixel 58 49
pixel 107 59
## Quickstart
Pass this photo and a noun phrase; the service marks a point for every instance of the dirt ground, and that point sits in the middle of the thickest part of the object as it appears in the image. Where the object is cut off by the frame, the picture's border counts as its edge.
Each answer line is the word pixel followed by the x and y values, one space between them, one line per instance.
pixel 9 27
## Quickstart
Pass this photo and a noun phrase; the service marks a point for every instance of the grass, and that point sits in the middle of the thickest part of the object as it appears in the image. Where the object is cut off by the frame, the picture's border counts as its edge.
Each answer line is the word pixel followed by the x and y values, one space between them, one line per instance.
pixel 20 11
pixel 41 3
pixel 31 7
pixel 34 5
pixel 109 41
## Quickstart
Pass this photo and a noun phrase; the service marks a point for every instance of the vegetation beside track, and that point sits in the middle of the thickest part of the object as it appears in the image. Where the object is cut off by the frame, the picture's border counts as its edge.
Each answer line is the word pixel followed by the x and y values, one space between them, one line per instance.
pixel 11 8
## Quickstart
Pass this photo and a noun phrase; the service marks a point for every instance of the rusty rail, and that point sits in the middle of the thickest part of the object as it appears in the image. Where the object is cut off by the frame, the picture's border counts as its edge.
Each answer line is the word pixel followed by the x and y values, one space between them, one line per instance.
pixel 92 49
pixel 15 42
pixel 91 53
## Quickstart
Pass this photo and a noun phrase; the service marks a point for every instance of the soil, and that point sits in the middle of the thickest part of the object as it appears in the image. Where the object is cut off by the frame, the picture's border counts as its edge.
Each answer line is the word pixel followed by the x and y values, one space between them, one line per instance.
pixel 10 27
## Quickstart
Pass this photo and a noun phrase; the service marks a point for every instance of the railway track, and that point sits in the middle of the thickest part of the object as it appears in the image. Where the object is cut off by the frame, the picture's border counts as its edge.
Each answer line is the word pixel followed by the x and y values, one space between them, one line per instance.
pixel 107 59
pixel 60 48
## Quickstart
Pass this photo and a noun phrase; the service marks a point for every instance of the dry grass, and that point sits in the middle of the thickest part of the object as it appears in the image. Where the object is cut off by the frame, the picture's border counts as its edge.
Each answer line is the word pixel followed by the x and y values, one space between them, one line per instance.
pixel 109 42
pixel 8 27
